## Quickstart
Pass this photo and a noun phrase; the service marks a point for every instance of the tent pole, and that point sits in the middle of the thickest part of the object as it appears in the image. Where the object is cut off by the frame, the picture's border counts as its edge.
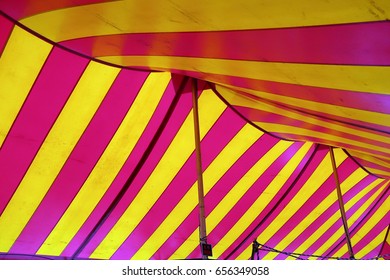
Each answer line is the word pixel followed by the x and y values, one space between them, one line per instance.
pixel 341 204
pixel 202 217
pixel 384 242
pixel 134 174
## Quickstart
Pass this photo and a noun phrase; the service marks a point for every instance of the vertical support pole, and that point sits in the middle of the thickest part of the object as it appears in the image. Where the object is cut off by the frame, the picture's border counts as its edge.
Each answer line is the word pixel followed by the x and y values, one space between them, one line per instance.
pixel 202 217
pixel 384 242
pixel 255 249
pixel 341 204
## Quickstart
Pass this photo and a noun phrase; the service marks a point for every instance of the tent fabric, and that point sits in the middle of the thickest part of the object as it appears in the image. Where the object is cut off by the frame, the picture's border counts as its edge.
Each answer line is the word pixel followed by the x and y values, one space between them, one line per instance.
pixel 331 80
pixel 97 144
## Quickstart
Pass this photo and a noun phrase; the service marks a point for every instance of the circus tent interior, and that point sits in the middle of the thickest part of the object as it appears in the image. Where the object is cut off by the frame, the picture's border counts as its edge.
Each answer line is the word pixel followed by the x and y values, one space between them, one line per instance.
pixel 149 130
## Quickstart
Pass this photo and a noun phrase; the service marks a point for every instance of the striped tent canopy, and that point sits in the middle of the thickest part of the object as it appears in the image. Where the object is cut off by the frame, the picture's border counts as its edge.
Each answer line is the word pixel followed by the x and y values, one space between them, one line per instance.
pixel 100 105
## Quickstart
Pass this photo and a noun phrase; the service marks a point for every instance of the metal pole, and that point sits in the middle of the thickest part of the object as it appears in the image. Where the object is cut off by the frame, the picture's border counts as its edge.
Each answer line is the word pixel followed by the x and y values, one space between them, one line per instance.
pixel 202 217
pixel 384 242
pixel 341 204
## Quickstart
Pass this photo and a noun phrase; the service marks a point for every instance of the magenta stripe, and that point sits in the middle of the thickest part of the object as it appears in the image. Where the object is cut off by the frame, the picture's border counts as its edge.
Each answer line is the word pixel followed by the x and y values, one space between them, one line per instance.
pixel 322 192
pixel 373 253
pixel 316 160
pixel 280 234
pixel 372 163
pixel 386 251
pixel 355 228
pixel 361 202
pixel 354 44
pixel 344 98
pixel 36 118
pixel 371 235
pixel 212 144
pixel 228 180
pixel 334 208
pixel 350 122
pixel 26 8
pixel 81 161
pixel 6 27
pixel 295 137
pixel 183 109
pixel 374 232
pixel 255 115
pixel 250 196
pixel 357 156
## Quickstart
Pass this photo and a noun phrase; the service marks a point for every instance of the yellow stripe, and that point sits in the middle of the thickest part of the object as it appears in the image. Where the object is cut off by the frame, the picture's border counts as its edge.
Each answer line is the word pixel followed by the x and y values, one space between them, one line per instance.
pixel 317 178
pixel 323 138
pixel 372 79
pixel 339 111
pixel 380 173
pixel 109 164
pixel 120 17
pixel 374 159
pixel 221 164
pixel 325 204
pixel 375 243
pixel 340 231
pixel 20 64
pixel 240 100
pixel 210 108
pixel 367 227
pixel 56 148
pixel 236 193
pixel 259 205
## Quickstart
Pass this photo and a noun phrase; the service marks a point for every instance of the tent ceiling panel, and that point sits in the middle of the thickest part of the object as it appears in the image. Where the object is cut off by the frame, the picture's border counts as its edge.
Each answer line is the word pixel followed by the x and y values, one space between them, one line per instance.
pixel 97 151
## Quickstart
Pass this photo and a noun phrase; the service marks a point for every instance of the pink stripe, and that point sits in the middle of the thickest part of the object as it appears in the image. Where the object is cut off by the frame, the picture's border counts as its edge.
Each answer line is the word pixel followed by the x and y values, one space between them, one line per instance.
pixel 251 195
pixel 6 27
pixel 26 8
pixel 386 251
pixel 321 194
pixel 81 161
pixel 371 235
pixel 355 228
pixel 373 253
pixel 334 208
pixel 212 145
pixel 344 98
pixel 181 111
pixel 352 122
pixel 258 115
pixel 36 118
pixel 280 233
pixel 370 164
pixel 316 160
pixel 229 179
pixel 295 137
pixel 280 118
pixel 352 44
pixel 361 202
pixel 374 232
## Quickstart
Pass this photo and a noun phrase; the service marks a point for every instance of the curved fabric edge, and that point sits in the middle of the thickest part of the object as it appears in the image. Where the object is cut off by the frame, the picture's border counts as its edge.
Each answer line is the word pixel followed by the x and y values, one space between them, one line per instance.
pixel 212 86
pixel 360 165
pixel 47 40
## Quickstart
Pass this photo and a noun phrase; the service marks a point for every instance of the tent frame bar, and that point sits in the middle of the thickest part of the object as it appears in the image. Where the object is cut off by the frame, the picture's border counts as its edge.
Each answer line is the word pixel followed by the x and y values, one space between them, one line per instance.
pixel 341 204
pixel 199 169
